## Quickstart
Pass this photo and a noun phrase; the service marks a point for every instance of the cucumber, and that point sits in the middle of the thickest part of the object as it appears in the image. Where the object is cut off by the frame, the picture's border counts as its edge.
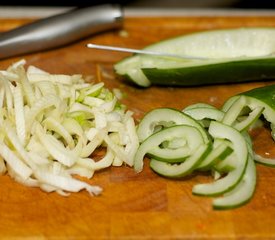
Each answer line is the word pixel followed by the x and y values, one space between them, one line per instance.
pixel 227 183
pixel 234 111
pixel 242 193
pixel 228 164
pixel 265 161
pixel 220 151
pixel 249 120
pixel 239 107
pixel 204 114
pixel 165 117
pixel 198 105
pixel 245 189
pixel 203 138
pixel 201 113
pixel 167 134
pixel 232 55
pixel 258 97
pixel 184 168
pixel 174 155
pixel 261 101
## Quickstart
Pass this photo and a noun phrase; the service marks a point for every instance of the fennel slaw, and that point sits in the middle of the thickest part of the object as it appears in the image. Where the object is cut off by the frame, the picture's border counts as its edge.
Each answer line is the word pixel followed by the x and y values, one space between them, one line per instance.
pixel 51 124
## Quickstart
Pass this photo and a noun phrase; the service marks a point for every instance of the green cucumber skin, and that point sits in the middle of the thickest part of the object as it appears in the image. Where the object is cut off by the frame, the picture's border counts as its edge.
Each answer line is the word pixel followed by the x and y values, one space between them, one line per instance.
pixel 218 73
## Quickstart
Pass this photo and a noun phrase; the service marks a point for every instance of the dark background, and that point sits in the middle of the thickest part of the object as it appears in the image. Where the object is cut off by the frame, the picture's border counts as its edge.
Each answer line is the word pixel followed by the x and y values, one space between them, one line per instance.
pixel 249 4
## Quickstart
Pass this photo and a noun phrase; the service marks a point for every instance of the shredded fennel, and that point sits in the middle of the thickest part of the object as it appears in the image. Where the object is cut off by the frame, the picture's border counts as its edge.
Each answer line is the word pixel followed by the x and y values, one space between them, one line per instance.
pixel 51 124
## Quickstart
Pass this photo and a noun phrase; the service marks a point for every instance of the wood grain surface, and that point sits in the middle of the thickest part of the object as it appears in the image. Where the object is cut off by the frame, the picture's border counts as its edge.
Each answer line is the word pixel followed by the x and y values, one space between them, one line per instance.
pixel 137 206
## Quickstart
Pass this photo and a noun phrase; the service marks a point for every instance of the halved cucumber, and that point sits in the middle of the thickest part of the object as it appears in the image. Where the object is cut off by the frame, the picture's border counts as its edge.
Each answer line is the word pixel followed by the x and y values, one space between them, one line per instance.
pixel 232 55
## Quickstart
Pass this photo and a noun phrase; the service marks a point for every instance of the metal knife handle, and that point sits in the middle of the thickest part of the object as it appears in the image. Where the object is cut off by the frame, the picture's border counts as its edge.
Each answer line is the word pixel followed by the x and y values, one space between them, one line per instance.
pixel 59 30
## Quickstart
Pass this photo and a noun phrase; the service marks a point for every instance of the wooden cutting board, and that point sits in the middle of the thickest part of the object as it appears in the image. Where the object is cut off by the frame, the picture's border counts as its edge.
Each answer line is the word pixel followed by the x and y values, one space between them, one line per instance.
pixel 137 206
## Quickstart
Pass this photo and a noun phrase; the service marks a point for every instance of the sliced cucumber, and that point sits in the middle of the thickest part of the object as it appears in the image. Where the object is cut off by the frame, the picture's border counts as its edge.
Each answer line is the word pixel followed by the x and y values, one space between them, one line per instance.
pixel 219 130
pixel 261 100
pixel 174 155
pixel 165 117
pixel 265 161
pixel 205 114
pixel 236 109
pixel 182 169
pixel 220 151
pixel 245 189
pixel 258 97
pixel 246 123
pixel 201 113
pixel 222 146
pixel 198 105
pixel 228 164
pixel 246 52
pixel 242 193
pixel 158 138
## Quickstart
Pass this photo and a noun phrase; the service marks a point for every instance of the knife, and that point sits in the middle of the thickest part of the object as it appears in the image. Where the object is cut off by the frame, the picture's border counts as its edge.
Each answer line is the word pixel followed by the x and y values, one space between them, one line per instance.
pixel 59 30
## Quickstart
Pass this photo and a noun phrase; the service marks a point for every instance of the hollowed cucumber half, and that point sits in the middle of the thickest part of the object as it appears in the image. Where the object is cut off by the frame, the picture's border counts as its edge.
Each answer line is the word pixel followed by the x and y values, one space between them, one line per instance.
pixel 230 56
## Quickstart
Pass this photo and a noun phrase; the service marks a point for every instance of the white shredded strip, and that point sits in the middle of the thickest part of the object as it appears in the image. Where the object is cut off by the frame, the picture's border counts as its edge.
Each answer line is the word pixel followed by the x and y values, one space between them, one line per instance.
pixel 52 124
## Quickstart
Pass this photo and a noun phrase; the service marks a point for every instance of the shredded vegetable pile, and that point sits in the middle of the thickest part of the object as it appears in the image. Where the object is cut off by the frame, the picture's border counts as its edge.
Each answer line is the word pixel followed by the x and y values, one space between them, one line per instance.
pixel 50 126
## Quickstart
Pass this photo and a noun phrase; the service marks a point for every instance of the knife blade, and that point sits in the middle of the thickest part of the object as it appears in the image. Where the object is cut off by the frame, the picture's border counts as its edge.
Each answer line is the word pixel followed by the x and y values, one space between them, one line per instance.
pixel 144 52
